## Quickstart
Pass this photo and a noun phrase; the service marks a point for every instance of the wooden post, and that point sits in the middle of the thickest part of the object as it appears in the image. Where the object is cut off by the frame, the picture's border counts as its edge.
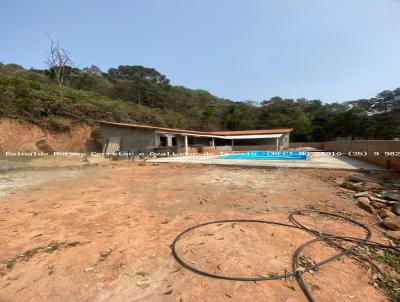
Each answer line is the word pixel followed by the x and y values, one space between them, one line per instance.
pixel 277 144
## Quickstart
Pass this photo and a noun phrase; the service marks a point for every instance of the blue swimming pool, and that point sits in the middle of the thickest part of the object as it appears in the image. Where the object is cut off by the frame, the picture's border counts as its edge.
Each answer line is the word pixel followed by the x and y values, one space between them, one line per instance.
pixel 275 155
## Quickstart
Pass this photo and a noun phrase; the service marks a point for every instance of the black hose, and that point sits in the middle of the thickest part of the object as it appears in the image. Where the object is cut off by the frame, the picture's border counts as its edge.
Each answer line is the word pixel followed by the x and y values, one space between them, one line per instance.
pixel 207 274
pixel 297 272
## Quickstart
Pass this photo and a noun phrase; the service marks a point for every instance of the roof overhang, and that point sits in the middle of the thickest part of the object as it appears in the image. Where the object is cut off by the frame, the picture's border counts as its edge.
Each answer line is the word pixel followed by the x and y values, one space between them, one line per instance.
pixel 189 134
pixel 254 136
pixel 240 134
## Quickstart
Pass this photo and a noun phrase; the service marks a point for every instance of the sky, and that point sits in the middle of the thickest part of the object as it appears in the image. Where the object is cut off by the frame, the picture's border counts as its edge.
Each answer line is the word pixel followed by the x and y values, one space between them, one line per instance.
pixel 337 50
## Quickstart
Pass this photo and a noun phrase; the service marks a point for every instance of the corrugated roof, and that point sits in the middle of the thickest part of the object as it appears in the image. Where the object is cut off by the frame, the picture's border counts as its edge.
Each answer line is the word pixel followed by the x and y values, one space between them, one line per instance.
pixel 222 133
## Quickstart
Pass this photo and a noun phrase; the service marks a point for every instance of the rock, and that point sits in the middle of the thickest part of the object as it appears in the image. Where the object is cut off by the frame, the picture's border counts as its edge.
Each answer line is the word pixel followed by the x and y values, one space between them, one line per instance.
pixel 381 200
pixel 383 213
pixel 356 178
pixel 377 205
pixel 88 269
pixel 363 199
pixel 367 183
pixel 364 204
pixel 42 145
pixel 393 234
pixel 392 223
pixel 361 194
pixel 142 284
pixel 391 195
pixel 396 209
pixel 371 186
pixel 353 186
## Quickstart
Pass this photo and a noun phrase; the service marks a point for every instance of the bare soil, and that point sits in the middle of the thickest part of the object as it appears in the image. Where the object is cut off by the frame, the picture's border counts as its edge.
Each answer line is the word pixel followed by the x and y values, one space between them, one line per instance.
pixel 29 134
pixel 104 234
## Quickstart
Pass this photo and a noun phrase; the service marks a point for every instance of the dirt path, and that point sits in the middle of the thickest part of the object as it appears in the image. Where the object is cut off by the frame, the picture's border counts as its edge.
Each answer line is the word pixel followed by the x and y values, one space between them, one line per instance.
pixel 106 235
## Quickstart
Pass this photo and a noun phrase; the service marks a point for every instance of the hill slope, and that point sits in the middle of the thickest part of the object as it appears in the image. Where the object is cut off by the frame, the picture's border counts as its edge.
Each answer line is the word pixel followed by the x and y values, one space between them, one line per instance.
pixel 142 95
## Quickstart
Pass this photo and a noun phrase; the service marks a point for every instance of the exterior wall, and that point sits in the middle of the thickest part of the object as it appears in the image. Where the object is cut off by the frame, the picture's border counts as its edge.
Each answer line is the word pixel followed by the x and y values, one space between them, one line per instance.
pixel 217 149
pixel 284 141
pixel 369 146
pixel 132 139
pixel 148 140
pixel 255 148
pixel 255 142
pixel 223 148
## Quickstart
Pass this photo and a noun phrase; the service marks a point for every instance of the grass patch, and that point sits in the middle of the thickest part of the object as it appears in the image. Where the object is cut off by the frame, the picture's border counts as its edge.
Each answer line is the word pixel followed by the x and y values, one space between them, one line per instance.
pixel 389 282
pixel 392 259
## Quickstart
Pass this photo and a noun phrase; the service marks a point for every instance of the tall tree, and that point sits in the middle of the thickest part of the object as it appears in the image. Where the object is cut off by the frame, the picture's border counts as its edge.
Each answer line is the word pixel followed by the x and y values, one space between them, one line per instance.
pixel 57 60
pixel 139 76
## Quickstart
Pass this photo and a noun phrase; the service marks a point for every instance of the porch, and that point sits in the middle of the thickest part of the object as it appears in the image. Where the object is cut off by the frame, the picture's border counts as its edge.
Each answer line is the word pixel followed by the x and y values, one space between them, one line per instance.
pixel 198 143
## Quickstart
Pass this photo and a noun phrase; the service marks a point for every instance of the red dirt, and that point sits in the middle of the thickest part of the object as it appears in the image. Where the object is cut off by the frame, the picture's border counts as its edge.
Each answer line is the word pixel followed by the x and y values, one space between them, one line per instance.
pixel 29 134
pixel 125 217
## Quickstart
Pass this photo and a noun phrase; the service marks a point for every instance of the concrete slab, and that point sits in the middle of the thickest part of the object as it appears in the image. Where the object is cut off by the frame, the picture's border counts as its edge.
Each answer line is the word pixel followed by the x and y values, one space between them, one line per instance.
pixel 316 161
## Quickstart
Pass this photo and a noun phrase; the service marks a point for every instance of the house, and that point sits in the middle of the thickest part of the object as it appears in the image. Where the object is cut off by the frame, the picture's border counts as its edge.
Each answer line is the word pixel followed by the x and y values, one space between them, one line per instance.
pixel 141 138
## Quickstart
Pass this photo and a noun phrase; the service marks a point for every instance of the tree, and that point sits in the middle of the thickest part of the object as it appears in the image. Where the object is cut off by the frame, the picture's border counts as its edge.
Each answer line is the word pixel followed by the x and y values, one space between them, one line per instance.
pixel 93 69
pixel 57 61
pixel 239 116
pixel 141 77
pixel 208 115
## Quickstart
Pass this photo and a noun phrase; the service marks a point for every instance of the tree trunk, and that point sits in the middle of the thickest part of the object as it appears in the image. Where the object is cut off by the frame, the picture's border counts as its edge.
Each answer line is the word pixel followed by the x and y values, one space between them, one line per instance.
pixel 60 91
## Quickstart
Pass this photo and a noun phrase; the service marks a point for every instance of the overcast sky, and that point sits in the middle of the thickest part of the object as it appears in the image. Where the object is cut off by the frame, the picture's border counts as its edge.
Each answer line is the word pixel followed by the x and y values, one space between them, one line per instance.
pixel 333 50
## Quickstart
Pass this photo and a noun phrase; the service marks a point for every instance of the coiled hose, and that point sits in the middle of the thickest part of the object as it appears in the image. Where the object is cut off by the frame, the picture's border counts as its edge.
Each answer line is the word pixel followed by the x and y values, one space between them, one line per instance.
pixel 297 273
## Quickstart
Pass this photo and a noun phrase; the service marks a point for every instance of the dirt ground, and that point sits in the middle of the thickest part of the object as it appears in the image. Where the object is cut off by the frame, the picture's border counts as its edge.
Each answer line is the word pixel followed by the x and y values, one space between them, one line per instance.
pixel 103 233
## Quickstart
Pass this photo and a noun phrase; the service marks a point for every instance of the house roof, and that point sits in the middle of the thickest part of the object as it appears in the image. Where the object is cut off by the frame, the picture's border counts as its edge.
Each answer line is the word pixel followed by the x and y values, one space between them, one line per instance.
pixel 214 133
pixel 152 127
pixel 250 132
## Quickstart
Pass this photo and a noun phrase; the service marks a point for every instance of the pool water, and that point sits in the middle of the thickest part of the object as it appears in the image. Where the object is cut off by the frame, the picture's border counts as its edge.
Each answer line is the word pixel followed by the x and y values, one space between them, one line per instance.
pixel 275 155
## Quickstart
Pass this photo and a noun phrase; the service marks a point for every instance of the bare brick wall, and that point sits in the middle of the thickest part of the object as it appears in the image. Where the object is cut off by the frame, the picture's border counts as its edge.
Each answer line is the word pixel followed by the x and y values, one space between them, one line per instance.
pixel 369 146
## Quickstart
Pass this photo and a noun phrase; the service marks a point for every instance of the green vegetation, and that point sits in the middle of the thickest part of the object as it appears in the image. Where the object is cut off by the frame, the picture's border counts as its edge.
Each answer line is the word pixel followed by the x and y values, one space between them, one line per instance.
pixel 391 286
pixel 137 94
pixel 391 259
pixel 389 282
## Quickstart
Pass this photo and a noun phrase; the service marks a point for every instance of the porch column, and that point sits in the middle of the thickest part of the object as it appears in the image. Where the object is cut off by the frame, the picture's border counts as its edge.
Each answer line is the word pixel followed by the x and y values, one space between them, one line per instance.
pixel 277 144
pixel 212 142
pixel 169 141
pixel 186 144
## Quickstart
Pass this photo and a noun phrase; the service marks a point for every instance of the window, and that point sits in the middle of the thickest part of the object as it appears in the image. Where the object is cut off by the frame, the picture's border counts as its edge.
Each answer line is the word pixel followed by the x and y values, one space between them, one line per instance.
pixel 163 141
